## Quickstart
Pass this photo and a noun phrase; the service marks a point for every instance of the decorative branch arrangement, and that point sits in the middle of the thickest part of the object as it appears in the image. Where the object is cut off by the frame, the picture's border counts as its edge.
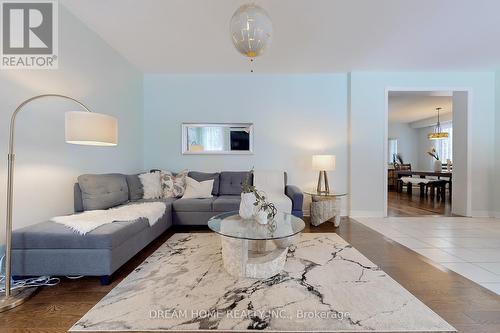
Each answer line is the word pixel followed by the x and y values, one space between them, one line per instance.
pixel 260 197
pixel 433 153
pixel 245 186
pixel 265 205
pixel 397 158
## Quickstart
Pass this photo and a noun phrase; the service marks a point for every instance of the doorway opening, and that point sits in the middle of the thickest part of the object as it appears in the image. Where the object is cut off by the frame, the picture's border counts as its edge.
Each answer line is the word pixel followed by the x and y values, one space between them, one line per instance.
pixel 426 168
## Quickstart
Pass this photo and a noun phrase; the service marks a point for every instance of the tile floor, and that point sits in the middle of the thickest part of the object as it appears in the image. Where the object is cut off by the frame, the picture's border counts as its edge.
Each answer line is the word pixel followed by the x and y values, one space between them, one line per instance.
pixel 468 246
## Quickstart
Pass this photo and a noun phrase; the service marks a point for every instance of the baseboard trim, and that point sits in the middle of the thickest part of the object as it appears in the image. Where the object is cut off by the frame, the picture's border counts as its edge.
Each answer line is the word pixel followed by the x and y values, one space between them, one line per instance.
pixel 343 212
pixel 366 213
pixel 484 213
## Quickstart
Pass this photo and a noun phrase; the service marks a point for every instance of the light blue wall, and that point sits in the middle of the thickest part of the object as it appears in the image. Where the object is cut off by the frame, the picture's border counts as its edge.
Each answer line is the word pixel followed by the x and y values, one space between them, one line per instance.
pixel 367 119
pixel 46 167
pixel 496 202
pixel 295 116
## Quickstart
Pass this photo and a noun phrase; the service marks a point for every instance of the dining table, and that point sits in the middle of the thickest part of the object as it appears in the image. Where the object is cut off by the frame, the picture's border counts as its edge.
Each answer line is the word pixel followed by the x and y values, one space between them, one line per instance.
pixel 439 175
pixel 424 174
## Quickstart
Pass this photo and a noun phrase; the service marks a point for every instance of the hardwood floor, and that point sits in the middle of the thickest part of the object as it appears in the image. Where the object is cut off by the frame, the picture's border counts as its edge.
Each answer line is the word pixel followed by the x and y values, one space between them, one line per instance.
pixel 403 205
pixel 464 304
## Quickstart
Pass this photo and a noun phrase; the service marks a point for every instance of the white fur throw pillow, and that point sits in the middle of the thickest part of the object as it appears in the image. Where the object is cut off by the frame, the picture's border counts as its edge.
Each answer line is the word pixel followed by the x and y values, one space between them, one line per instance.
pixel 198 190
pixel 173 186
pixel 151 184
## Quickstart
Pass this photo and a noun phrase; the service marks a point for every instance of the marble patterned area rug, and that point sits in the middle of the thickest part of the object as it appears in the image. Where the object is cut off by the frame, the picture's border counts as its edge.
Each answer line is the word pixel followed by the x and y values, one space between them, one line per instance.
pixel 327 286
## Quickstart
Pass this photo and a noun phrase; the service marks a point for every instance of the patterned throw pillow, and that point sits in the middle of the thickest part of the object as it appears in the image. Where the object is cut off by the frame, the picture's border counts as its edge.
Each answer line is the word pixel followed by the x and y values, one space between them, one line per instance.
pixel 173 185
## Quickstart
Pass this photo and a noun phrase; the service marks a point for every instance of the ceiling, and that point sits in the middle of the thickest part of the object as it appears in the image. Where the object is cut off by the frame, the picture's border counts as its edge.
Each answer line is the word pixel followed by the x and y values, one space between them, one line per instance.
pixel 310 36
pixel 408 106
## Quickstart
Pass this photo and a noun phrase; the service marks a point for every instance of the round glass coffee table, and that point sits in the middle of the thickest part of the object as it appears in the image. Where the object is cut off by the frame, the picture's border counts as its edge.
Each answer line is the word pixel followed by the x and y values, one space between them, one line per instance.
pixel 253 250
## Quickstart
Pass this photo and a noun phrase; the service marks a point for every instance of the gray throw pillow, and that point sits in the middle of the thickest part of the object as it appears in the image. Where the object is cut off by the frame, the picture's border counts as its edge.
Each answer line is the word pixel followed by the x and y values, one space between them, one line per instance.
pixel 103 191
pixel 135 188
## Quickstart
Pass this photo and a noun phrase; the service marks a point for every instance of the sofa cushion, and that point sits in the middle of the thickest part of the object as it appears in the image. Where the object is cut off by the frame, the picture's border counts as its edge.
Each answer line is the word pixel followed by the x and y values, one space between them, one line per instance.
pixel 77 198
pixel 135 188
pixel 193 205
pixel 231 181
pixel 227 203
pixel 103 191
pixel 51 235
pixel 202 176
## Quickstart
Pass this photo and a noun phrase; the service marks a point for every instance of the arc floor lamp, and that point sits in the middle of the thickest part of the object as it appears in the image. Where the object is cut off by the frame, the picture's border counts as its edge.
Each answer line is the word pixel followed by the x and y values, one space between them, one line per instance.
pixel 81 127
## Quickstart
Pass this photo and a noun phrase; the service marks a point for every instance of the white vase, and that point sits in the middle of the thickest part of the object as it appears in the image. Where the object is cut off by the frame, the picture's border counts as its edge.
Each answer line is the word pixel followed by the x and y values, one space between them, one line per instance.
pixel 438 167
pixel 261 217
pixel 247 207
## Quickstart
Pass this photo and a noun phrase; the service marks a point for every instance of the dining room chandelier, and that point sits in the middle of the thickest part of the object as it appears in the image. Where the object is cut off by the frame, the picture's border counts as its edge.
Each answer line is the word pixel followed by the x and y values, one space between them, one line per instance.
pixel 438 133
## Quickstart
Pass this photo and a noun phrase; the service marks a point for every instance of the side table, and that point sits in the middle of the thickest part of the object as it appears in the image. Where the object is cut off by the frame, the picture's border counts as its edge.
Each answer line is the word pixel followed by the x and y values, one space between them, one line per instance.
pixel 325 207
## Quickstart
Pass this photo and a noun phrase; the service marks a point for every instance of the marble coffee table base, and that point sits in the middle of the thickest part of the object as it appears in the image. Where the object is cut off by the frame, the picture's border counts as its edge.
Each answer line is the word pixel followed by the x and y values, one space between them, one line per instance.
pixel 258 259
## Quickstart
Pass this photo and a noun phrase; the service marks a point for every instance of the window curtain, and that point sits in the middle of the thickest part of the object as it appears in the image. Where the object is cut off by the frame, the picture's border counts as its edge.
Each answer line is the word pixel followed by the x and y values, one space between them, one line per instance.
pixel 393 149
pixel 213 138
pixel 444 147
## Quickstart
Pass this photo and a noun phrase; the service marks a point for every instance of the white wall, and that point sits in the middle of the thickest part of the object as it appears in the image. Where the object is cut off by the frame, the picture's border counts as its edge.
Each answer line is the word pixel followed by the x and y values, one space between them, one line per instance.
pixel 295 116
pixel 46 167
pixel 425 162
pixel 461 165
pixel 368 125
pixel 407 141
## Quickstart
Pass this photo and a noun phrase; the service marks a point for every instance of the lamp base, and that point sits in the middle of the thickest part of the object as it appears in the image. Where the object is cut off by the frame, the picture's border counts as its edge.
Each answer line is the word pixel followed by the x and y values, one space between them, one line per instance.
pixel 323 179
pixel 17 297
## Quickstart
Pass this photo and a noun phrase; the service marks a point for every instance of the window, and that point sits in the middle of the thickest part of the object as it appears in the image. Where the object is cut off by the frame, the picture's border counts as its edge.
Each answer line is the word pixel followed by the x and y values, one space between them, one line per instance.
pixel 444 147
pixel 393 149
pixel 210 138
pixel 213 138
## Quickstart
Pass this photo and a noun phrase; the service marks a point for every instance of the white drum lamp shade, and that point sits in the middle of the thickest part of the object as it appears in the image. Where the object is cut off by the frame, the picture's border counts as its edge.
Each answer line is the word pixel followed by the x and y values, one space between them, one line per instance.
pixel 90 128
pixel 323 162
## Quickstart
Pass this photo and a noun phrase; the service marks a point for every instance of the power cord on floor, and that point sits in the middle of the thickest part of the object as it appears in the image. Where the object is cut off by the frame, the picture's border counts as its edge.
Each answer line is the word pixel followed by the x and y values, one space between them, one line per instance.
pixel 29 282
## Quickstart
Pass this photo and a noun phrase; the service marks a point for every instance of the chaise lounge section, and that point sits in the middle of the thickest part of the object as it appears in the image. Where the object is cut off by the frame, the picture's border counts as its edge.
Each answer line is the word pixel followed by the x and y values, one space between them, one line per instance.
pixel 49 248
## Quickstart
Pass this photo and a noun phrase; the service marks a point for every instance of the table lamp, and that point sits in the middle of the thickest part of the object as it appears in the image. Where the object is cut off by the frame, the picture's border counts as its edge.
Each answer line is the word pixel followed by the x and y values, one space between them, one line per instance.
pixel 81 127
pixel 323 163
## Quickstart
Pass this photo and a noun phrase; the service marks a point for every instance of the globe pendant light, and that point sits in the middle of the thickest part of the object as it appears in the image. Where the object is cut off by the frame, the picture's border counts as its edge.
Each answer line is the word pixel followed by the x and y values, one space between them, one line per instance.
pixel 438 133
pixel 251 30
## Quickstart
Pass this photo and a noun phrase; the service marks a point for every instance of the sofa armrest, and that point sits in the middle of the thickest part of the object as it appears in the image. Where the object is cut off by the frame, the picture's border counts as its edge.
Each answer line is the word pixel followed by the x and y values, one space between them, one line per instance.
pixel 296 195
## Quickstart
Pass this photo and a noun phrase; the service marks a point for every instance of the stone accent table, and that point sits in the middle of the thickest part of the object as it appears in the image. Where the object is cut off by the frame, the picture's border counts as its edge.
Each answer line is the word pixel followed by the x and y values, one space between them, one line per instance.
pixel 325 207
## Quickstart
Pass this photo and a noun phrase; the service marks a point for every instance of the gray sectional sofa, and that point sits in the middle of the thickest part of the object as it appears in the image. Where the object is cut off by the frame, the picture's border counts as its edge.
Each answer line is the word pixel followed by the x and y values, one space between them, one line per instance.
pixel 50 248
